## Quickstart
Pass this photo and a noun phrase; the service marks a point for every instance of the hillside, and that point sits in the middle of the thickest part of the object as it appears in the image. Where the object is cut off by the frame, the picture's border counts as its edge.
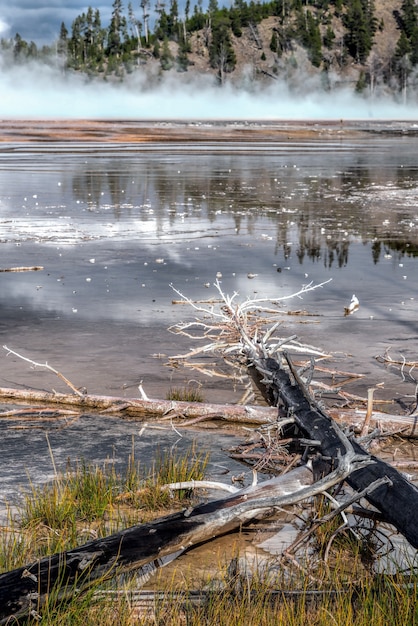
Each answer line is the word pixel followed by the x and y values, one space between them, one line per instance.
pixel 367 46
pixel 257 62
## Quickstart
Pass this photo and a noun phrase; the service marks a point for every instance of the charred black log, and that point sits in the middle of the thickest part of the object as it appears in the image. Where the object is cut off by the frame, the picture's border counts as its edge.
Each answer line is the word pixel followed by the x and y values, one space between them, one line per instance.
pixel 397 500
pixel 24 591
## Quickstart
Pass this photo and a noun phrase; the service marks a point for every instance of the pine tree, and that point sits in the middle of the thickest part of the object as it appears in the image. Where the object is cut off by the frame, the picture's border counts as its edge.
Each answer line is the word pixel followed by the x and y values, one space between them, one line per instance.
pixel 221 53
pixel 403 62
pixel 309 35
pixel 166 58
pixel 20 48
pixel 314 40
pixel 409 23
pixel 329 37
pixel 361 26
pixel 117 33
pixel 62 45
pixel 75 44
pixel 409 18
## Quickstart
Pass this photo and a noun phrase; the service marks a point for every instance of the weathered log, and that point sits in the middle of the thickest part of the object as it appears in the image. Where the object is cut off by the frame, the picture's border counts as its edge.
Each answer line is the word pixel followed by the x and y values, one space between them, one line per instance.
pixel 404 425
pixel 33 268
pixel 137 407
pixel 397 501
pixel 25 590
pixel 407 425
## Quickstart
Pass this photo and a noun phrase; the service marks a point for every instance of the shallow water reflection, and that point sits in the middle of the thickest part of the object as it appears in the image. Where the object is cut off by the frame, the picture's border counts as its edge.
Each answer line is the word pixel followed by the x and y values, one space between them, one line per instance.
pixel 114 226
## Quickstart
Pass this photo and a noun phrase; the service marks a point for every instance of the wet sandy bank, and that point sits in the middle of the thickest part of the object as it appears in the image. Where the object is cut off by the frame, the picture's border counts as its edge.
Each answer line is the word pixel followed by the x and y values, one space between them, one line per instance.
pixel 137 131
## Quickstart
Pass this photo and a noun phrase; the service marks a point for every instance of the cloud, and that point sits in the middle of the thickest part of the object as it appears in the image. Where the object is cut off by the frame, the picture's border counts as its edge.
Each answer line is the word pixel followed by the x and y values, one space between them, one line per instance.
pixel 4 27
pixel 40 21
pixel 36 91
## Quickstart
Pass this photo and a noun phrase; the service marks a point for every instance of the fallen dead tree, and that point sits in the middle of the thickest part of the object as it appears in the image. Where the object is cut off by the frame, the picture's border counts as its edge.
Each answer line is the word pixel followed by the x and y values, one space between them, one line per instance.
pixel 233 328
pixel 397 500
pixel 182 412
pixel 24 591
pixel 137 407
pixel 335 458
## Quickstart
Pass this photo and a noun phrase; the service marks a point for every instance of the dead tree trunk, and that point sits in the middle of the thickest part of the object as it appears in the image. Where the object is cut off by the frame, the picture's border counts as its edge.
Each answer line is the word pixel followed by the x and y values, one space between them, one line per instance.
pixel 24 591
pixel 397 500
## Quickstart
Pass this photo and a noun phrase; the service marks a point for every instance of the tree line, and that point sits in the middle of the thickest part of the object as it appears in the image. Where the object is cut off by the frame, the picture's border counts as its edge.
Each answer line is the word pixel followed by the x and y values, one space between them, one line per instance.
pixel 128 41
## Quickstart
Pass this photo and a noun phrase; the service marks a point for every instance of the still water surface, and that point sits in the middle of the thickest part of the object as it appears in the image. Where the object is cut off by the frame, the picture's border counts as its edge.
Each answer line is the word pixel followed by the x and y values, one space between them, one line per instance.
pixel 114 225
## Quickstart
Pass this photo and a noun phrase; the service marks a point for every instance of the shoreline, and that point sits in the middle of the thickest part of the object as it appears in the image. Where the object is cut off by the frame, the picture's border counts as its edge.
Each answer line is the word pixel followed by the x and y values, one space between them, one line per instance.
pixel 188 131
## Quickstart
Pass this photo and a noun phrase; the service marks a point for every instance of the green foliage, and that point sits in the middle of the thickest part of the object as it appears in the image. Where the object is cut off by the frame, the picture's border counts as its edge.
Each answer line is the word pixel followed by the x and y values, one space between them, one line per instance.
pixel 117 31
pixel 409 25
pixel 166 58
pixel 329 37
pixel 182 56
pixel 361 83
pixel 88 498
pixel 403 47
pixel 22 50
pixel 274 42
pixel 221 53
pixel 85 48
pixel 361 26
pixel 156 50
pixel 308 33
pixel 111 50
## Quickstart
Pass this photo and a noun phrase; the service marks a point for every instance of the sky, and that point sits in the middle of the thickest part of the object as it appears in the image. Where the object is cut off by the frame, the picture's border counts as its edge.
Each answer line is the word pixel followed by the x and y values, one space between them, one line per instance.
pixel 40 20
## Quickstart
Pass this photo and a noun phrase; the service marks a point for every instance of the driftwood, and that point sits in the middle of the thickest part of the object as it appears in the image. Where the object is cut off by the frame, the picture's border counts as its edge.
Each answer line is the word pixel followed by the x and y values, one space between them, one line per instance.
pixel 234 330
pixel 335 457
pixel 136 407
pixel 24 591
pixel 33 268
pixel 185 413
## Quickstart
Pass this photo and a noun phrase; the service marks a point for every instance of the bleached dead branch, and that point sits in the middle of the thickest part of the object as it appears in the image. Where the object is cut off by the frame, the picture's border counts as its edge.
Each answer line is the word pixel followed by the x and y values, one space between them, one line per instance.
pixel 46 366
pixel 241 330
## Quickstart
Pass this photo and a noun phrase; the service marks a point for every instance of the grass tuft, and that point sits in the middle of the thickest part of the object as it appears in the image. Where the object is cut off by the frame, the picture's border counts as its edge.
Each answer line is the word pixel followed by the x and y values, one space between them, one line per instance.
pixel 88 501
pixel 188 393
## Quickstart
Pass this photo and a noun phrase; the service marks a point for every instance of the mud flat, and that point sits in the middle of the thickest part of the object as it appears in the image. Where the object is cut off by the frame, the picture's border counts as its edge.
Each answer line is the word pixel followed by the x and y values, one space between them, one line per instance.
pixel 136 131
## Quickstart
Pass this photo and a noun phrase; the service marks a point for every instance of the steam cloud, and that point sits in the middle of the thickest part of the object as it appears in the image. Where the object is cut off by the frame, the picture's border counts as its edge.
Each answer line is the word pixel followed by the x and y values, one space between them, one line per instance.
pixel 38 91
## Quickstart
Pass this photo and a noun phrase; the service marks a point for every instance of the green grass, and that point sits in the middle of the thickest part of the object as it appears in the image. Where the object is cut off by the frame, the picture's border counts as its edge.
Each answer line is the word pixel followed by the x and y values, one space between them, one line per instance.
pixel 246 602
pixel 88 501
pixel 188 393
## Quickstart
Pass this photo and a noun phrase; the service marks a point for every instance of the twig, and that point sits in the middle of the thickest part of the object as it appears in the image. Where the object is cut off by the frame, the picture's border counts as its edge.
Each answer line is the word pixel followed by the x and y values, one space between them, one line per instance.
pixel 200 484
pixel 34 268
pixel 370 392
pixel 46 366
